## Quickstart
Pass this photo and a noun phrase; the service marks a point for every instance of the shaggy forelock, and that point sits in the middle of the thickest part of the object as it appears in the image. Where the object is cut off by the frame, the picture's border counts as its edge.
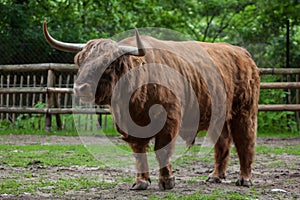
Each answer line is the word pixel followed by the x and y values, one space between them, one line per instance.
pixel 101 51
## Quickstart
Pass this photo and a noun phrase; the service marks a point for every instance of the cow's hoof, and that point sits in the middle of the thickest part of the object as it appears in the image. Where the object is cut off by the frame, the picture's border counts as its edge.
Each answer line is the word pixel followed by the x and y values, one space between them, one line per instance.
pixel 140 185
pixel 213 179
pixel 243 182
pixel 166 183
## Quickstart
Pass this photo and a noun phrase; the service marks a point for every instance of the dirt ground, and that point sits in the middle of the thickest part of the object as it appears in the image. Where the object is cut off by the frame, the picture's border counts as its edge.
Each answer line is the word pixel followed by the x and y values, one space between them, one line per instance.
pixel 270 181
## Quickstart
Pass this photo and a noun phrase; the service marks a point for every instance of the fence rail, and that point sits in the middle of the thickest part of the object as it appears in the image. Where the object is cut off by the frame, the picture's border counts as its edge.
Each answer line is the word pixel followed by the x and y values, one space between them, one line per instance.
pixel 59 67
pixel 45 90
pixel 279 71
pixel 41 90
pixel 286 85
pixel 279 107
pixel 12 83
pixel 54 110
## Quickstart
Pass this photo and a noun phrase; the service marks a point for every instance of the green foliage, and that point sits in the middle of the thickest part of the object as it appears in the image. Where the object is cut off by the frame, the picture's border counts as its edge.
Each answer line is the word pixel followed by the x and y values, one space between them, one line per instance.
pixel 34 121
pixel 276 123
pixel 34 124
pixel 257 25
pixel 249 23
pixel 4 124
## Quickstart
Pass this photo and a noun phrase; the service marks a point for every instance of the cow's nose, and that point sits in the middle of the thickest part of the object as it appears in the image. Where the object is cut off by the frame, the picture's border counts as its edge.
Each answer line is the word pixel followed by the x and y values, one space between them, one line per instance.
pixel 82 90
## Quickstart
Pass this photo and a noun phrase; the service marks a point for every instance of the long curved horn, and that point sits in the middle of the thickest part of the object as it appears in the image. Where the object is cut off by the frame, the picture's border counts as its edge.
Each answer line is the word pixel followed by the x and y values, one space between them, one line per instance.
pixel 136 51
pixel 63 46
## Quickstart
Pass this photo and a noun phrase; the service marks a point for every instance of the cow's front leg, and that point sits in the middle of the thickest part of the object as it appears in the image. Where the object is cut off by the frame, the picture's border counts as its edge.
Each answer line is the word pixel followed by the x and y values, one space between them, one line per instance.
pixel 142 179
pixel 163 150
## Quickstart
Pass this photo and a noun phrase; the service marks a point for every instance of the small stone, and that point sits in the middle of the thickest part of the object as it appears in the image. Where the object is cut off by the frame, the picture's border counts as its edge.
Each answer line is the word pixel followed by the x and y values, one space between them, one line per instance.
pixel 278 191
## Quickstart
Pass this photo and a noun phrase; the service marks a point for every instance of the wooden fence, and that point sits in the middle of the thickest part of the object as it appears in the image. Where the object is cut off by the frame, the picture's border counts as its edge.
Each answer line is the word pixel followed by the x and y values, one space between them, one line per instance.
pixel 23 86
pixel 285 74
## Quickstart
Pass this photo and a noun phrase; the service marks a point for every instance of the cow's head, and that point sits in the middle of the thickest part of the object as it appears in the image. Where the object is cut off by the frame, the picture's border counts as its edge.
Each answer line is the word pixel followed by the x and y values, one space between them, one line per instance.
pixel 101 62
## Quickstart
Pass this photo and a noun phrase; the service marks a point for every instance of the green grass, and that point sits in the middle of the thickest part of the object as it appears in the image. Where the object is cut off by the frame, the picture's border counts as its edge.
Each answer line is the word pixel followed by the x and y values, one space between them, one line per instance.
pixel 281 134
pixel 32 156
pixel 194 154
pixel 34 124
pixel 68 155
pixel 59 186
pixel 216 194
pixel 102 156
pixel 276 163
pixel 110 131
pixel 79 155
pixel 52 155
pixel 279 150
pixel 38 132
pixel 196 179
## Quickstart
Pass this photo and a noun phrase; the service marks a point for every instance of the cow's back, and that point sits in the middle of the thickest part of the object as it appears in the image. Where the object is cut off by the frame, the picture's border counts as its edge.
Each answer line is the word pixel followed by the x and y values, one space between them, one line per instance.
pixel 195 60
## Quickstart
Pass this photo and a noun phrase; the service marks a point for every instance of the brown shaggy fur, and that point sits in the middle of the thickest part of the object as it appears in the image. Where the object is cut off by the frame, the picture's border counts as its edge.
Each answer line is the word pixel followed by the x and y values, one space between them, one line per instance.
pixel 241 82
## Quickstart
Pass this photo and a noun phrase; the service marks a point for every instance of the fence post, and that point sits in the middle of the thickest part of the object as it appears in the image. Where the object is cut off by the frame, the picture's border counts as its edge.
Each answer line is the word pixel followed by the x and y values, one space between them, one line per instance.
pixel 49 100
pixel 1 96
pixel 56 105
pixel 7 95
pixel 297 102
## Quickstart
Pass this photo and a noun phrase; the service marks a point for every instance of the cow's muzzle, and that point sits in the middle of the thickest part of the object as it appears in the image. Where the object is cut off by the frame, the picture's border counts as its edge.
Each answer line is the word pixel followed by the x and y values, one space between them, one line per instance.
pixel 84 92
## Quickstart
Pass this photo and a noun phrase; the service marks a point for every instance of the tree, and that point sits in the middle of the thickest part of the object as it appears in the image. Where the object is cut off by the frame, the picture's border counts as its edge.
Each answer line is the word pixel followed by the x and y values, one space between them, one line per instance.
pixel 257 25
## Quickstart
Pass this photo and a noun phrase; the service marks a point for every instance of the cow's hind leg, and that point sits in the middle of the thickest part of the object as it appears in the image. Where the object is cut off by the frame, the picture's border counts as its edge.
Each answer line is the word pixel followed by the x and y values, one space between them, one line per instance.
pixel 164 145
pixel 222 152
pixel 244 135
pixel 142 180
